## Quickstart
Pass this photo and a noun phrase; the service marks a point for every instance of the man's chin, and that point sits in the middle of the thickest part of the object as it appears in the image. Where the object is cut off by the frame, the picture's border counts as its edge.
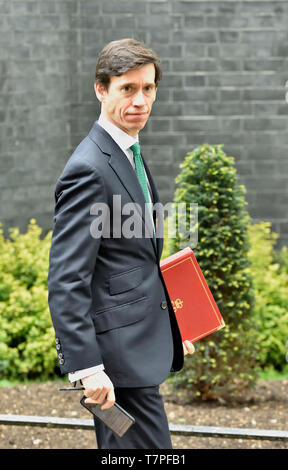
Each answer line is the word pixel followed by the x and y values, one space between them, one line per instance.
pixel 136 127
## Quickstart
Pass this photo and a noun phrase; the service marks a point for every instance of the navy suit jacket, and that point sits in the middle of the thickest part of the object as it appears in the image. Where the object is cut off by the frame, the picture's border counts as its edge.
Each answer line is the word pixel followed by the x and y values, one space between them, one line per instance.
pixel 107 297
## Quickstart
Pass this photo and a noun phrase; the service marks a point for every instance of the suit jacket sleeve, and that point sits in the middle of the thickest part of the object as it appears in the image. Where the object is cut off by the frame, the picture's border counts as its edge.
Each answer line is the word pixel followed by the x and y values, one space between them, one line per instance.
pixel 72 258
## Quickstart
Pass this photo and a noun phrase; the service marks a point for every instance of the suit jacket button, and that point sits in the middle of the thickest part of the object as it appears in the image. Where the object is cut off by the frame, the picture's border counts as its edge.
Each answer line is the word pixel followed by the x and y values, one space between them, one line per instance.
pixel 164 304
pixel 60 355
pixel 61 361
pixel 57 340
pixel 58 347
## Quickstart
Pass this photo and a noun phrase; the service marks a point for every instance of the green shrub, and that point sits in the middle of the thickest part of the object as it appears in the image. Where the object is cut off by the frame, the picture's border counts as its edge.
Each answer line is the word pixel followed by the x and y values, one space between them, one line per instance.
pixel 224 363
pixel 281 257
pixel 27 348
pixel 270 274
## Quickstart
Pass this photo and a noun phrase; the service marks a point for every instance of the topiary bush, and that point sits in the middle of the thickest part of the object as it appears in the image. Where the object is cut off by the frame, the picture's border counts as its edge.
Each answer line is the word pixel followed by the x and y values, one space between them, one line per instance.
pixel 225 362
pixel 27 348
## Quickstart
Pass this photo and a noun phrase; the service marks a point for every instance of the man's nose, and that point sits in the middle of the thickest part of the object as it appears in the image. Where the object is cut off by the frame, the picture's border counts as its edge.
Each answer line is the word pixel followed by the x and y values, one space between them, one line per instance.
pixel 139 99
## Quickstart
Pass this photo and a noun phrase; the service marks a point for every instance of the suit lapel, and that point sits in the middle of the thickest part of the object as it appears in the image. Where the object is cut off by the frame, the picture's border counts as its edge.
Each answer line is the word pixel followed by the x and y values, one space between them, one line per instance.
pixel 158 221
pixel 126 174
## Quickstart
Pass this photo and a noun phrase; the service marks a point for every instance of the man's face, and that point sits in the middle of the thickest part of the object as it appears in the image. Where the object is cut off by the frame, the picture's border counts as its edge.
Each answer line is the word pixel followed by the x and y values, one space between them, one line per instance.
pixel 128 101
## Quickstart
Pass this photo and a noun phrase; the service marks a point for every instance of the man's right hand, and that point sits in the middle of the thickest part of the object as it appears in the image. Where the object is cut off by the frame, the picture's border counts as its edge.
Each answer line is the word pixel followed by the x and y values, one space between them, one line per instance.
pixel 99 389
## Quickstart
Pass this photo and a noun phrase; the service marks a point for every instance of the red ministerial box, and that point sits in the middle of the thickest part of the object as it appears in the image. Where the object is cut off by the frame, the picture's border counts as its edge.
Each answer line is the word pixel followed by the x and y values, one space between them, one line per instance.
pixel 194 306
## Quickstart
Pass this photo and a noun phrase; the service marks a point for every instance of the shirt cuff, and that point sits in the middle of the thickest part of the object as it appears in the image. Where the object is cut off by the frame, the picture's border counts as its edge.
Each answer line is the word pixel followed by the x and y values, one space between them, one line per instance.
pixel 80 374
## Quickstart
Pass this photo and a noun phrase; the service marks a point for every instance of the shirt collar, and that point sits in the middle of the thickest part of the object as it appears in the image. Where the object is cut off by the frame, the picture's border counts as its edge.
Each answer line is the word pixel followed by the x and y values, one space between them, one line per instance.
pixel 121 138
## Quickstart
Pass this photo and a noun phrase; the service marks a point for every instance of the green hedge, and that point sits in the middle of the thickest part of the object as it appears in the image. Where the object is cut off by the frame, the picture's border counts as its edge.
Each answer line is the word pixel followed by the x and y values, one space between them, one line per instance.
pixel 27 347
pixel 269 269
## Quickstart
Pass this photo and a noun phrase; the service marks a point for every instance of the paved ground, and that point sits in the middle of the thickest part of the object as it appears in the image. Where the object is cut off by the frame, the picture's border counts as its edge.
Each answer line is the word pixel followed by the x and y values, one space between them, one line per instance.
pixel 264 408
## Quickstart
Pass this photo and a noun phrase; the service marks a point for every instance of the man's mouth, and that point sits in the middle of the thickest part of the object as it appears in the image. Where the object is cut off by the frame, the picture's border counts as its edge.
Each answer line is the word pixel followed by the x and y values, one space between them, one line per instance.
pixel 137 114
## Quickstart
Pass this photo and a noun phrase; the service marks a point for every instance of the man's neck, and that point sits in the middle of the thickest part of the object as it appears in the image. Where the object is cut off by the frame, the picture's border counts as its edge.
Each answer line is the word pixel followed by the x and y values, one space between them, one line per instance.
pixel 104 119
pixel 121 138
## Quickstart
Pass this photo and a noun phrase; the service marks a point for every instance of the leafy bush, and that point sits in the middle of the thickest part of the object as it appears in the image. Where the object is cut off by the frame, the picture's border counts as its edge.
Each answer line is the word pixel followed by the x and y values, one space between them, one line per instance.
pixel 270 273
pixel 224 363
pixel 27 347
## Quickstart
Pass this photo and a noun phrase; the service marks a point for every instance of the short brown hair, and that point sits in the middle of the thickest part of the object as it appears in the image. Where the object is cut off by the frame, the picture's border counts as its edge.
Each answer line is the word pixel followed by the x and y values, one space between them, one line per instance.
pixel 118 57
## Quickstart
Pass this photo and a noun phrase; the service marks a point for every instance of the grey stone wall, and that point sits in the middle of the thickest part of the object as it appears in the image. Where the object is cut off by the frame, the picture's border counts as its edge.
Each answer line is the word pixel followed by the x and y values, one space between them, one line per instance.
pixel 225 74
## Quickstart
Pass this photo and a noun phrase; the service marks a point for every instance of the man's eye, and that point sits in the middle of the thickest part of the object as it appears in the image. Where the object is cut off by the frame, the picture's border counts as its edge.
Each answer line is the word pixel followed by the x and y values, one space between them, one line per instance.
pixel 127 88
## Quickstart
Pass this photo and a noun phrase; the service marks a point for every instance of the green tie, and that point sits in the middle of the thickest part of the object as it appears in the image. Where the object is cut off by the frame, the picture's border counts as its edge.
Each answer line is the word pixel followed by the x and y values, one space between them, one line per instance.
pixel 140 172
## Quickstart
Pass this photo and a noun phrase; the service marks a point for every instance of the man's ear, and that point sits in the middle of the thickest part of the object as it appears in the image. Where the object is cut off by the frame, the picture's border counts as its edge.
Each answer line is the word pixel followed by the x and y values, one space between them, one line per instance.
pixel 100 91
pixel 156 88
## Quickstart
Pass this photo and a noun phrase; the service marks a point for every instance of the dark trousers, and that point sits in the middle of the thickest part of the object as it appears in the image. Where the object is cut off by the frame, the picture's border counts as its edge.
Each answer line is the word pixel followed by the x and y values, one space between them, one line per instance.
pixel 150 431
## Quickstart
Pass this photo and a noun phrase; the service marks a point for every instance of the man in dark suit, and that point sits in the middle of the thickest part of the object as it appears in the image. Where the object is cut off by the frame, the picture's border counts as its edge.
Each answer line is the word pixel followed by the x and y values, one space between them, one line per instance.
pixel 114 322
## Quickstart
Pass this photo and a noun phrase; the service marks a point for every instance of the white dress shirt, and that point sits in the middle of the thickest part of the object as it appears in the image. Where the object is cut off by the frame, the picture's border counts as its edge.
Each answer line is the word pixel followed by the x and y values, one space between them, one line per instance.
pixel 124 141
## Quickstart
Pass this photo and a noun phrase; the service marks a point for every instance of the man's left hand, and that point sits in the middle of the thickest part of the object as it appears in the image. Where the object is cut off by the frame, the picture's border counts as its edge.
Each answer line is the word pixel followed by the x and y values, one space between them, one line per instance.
pixel 188 347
